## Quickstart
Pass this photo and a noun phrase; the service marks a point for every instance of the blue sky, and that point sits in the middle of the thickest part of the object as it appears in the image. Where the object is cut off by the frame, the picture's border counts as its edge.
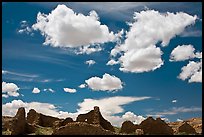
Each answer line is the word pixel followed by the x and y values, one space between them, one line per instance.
pixel 27 63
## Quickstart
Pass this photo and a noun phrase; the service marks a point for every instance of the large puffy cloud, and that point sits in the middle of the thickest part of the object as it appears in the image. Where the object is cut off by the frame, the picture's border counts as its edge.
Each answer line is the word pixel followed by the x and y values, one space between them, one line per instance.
pixel 111 106
pixel 183 52
pixel 108 106
pixel 132 117
pixel 192 71
pixel 65 28
pixel 10 109
pixel 10 89
pixel 106 83
pixel 139 52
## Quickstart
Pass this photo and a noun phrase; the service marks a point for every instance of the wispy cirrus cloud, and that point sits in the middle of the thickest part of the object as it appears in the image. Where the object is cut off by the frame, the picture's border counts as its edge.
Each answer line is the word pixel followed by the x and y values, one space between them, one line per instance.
pixel 20 74
pixel 176 110
pixel 26 77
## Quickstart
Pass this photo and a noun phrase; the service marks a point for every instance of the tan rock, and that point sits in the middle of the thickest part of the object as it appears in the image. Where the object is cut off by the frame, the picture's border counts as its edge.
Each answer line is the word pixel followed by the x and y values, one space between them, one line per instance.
pixel 35 118
pixel 128 127
pixel 155 127
pixel 81 128
pixel 185 127
pixel 95 117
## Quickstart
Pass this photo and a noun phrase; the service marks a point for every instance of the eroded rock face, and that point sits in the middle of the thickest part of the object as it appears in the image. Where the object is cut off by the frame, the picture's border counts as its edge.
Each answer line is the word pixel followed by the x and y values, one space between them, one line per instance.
pixel 81 128
pixel 155 127
pixel 60 123
pixel 6 120
pixel 35 118
pixel 128 127
pixel 185 127
pixel 95 117
pixel 30 128
pixel 18 123
pixel 139 131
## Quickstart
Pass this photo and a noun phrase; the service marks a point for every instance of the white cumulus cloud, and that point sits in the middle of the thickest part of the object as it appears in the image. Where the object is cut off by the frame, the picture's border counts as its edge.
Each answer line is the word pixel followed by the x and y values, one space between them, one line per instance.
pixel 133 118
pixel 106 83
pixel 111 106
pixel 82 86
pixel 183 52
pixel 10 109
pixel 10 89
pixel 112 62
pixel 65 28
pixel 90 62
pixel 70 90
pixel 36 90
pixel 192 71
pixel 139 52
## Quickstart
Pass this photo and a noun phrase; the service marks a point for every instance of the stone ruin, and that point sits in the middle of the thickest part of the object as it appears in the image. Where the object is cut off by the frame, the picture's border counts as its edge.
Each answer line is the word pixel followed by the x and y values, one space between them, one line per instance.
pixel 155 127
pixel 95 117
pixel 35 118
pixel 128 127
pixel 82 128
pixel 16 125
pixel 91 123
pixel 148 127
pixel 63 122
pixel 185 127
pixel 18 122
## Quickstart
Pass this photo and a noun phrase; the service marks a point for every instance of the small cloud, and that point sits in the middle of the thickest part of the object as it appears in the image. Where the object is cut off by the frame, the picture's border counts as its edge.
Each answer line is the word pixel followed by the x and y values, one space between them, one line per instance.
pixel 192 71
pixel 10 89
pixel 49 89
pixel 174 101
pixel 36 91
pixel 192 33
pixel 46 80
pixel 4 72
pixel 112 62
pixel 5 96
pixel 24 28
pixel 82 86
pixel 90 62
pixel 184 52
pixel 179 120
pixel 106 83
pixel 69 90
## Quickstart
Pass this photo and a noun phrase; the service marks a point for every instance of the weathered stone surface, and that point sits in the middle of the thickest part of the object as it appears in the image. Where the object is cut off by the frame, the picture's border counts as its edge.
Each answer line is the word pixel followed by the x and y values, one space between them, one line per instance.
pixel 95 117
pixel 128 127
pixel 196 123
pixel 30 128
pixel 155 127
pixel 35 118
pixel 18 123
pixel 62 122
pixel 139 131
pixel 185 127
pixel 81 128
pixel 6 122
